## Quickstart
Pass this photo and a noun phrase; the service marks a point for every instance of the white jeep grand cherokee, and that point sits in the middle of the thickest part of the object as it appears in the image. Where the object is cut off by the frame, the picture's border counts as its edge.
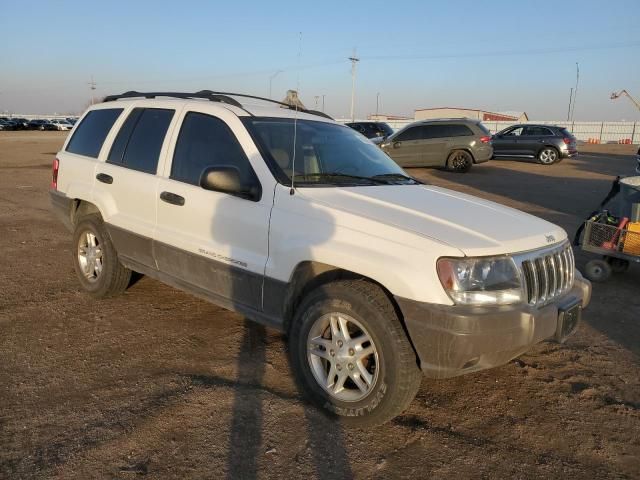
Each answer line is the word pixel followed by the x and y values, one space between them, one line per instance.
pixel 302 224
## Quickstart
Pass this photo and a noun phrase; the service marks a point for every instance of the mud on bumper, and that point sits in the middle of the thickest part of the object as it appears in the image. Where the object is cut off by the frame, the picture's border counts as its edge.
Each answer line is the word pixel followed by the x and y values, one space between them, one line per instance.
pixel 455 340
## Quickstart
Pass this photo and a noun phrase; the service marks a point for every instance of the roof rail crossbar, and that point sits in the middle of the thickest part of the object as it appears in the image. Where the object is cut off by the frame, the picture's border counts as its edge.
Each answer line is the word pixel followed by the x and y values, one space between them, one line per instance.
pixel 204 94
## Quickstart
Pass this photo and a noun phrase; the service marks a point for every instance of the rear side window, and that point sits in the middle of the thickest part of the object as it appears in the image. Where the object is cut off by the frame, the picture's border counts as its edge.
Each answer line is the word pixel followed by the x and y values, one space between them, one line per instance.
pixel 458 131
pixel 537 131
pixel 207 141
pixel 140 139
pixel 88 138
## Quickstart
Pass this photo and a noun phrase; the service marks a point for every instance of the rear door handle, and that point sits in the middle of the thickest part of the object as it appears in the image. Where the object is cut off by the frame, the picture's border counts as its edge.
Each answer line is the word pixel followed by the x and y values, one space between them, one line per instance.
pixel 172 198
pixel 104 178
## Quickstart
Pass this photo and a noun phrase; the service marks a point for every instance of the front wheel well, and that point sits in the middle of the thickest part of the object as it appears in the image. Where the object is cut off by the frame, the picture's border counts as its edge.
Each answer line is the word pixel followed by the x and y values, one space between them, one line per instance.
pixel 310 275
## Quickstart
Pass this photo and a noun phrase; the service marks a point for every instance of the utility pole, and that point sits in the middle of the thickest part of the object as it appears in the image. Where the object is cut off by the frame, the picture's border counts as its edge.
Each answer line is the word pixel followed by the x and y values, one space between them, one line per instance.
pixel 92 86
pixel 354 60
pixel 274 75
pixel 575 91
pixel 323 103
pixel 569 109
pixel 377 103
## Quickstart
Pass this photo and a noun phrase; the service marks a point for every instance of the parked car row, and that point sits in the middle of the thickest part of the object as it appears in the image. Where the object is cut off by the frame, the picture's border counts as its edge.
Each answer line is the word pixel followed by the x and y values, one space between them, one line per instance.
pixel 38 124
pixel 458 144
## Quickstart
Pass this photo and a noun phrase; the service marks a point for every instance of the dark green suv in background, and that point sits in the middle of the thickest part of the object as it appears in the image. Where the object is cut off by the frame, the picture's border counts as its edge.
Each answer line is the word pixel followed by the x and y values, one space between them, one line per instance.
pixel 452 143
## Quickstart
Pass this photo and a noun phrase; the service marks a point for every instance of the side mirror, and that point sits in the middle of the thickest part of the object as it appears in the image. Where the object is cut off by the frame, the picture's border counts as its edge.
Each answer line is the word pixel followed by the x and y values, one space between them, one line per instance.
pixel 226 179
pixel 396 144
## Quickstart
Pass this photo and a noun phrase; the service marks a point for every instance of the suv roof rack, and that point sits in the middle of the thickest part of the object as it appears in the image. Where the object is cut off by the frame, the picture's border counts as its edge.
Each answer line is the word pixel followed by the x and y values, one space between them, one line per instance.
pixel 222 97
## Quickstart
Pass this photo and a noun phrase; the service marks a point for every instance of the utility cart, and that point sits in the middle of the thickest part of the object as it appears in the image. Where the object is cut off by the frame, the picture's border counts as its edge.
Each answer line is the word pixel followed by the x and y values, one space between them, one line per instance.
pixel 618 244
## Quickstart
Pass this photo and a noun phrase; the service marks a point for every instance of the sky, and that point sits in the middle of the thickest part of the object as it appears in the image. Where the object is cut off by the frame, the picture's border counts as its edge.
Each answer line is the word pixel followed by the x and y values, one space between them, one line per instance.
pixel 493 55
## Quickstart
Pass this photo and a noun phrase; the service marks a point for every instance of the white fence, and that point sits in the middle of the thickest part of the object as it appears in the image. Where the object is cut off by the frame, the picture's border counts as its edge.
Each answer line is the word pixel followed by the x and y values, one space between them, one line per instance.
pixel 593 132
pixel 31 116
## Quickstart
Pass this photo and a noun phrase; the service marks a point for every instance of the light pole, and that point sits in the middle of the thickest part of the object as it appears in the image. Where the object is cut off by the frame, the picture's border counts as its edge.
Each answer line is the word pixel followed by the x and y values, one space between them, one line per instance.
pixel 274 75
pixel 323 103
pixel 92 86
pixel 377 103
pixel 317 97
pixel 354 60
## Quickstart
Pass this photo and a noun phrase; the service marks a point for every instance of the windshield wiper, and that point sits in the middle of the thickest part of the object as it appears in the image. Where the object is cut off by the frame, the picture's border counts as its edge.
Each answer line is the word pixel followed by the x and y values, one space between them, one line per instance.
pixel 398 176
pixel 378 181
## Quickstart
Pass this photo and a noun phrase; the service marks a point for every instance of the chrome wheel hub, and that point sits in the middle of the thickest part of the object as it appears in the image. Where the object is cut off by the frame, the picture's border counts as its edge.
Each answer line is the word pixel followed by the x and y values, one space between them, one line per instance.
pixel 342 357
pixel 90 256
pixel 548 156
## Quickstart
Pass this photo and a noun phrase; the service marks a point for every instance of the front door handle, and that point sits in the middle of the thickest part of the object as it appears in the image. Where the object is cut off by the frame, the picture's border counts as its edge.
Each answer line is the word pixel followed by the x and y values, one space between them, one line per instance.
pixel 172 198
pixel 104 178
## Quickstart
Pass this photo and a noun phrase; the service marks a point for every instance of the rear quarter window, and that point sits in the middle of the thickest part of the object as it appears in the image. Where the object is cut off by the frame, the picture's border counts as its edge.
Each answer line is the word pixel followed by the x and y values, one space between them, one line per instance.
pixel 90 134
pixel 458 131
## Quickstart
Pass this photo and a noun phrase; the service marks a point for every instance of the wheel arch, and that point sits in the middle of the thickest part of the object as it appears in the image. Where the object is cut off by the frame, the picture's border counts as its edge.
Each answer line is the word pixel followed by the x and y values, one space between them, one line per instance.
pixel 81 208
pixel 465 148
pixel 309 275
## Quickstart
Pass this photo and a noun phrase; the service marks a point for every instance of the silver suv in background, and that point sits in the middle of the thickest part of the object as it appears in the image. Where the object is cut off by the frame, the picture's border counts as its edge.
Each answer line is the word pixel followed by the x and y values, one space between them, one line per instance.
pixel 452 143
pixel 547 143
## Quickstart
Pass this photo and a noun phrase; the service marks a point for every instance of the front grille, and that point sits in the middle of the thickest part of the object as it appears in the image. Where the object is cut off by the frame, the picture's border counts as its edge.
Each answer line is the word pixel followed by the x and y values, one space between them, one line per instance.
pixel 548 274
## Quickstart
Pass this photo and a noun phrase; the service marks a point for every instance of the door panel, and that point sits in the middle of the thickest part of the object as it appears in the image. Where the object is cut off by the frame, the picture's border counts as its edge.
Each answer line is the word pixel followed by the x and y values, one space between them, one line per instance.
pixel 215 241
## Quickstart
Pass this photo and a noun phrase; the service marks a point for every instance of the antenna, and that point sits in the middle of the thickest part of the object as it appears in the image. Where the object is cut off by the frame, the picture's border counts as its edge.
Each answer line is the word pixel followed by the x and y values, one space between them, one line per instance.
pixel 92 86
pixel 354 60
pixel 295 121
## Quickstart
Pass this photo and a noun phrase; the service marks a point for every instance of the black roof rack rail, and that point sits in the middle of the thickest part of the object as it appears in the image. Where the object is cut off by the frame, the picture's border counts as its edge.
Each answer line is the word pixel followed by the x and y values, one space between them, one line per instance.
pixel 222 97
pixel 204 94
pixel 282 104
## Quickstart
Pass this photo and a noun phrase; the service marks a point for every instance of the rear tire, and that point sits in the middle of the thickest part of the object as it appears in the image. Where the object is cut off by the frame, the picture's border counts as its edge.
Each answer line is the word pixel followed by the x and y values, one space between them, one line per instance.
pixel 459 161
pixel 362 382
pixel 95 259
pixel 618 265
pixel 548 156
pixel 597 270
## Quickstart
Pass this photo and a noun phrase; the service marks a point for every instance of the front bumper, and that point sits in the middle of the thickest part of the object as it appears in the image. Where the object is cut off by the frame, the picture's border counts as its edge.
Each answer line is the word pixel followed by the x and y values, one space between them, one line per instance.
pixel 455 340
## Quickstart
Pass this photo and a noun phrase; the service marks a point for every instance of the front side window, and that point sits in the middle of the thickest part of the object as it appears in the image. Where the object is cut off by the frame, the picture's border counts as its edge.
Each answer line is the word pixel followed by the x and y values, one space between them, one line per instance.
pixel 411 133
pixel 514 132
pixel 207 141
pixel 88 138
pixel 324 153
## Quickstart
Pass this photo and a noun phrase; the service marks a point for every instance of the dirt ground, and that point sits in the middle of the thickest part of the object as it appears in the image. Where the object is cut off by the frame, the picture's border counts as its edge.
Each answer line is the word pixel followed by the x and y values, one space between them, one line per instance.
pixel 161 384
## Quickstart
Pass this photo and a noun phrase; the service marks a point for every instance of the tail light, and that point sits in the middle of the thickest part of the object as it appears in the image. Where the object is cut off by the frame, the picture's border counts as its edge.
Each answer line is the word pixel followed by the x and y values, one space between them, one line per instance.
pixel 485 139
pixel 54 174
pixel 567 140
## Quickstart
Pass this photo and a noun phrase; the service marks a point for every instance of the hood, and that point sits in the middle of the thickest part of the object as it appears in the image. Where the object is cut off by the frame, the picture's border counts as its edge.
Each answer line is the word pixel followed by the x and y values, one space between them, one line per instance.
pixel 473 225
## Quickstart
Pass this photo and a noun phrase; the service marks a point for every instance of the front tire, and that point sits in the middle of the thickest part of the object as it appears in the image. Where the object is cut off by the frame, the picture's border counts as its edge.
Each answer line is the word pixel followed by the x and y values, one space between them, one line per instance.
pixel 95 259
pixel 597 270
pixel 350 354
pixel 548 156
pixel 459 161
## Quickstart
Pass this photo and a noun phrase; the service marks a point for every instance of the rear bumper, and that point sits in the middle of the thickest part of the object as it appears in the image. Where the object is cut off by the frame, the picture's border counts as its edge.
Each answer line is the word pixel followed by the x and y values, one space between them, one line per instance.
pixel 61 207
pixel 569 152
pixel 455 340
pixel 483 154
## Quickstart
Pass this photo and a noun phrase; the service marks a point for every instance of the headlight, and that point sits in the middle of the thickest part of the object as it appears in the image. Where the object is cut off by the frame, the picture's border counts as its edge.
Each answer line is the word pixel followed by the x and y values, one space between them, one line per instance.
pixel 481 281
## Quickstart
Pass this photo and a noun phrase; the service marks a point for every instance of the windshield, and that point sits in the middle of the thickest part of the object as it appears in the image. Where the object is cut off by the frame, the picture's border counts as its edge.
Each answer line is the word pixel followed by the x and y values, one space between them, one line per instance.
pixel 325 153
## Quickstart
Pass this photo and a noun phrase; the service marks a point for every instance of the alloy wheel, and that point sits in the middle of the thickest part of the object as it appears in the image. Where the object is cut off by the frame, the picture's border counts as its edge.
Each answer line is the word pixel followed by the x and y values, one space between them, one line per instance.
pixel 343 357
pixel 90 256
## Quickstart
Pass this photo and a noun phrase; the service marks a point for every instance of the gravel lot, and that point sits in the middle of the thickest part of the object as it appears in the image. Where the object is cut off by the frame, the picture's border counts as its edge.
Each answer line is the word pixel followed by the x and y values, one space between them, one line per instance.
pixel 161 384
